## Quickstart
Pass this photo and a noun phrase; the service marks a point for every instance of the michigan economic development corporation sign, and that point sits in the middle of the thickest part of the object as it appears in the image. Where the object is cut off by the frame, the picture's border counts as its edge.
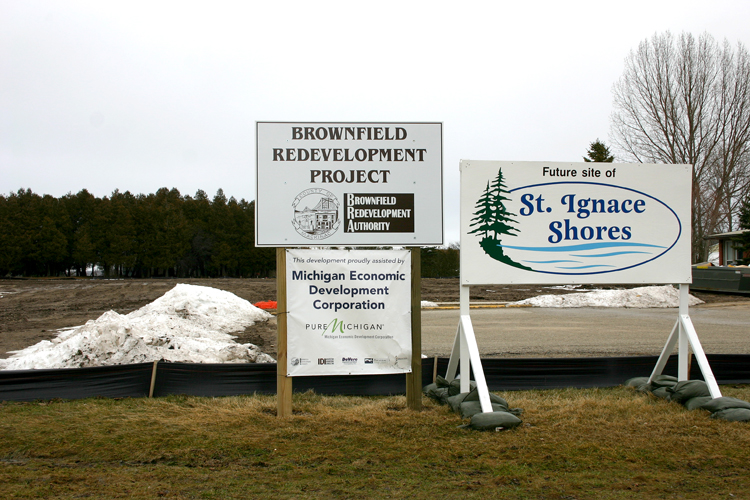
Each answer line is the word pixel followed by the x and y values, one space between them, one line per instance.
pixel 349 184
pixel 348 312
pixel 525 222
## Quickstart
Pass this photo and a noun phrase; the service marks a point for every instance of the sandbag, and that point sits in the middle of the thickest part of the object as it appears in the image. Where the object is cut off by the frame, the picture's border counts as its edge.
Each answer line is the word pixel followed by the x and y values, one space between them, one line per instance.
pixel 455 401
pixel 429 387
pixel 687 389
pixel 454 386
pixel 724 403
pixel 636 382
pixel 437 393
pixel 733 414
pixel 468 409
pixel 696 403
pixel 495 421
pixel 661 392
pixel 473 395
pixel 664 381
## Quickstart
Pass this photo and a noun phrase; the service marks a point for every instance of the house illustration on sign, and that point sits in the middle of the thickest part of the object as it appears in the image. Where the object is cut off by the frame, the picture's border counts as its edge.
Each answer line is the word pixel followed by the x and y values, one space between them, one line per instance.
pixel 319 219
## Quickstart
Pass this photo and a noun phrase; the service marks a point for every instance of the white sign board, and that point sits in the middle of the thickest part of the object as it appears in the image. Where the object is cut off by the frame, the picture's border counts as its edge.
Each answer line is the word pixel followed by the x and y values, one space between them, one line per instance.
pixel 349 184
pixel 558 223
pixel 349 312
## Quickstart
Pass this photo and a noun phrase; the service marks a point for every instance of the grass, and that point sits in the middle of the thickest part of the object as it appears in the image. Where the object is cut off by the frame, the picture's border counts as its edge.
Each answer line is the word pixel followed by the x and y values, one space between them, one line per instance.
pixel 574 444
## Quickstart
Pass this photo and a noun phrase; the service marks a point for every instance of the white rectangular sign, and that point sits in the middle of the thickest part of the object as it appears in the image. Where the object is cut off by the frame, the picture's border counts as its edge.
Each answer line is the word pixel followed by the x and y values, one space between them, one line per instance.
pixel 558 223
pixel 349 184
pixel 349 312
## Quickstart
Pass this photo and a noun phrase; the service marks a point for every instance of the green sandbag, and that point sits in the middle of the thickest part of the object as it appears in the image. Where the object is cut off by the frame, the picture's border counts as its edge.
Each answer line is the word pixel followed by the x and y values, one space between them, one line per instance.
pixel 468 409
pixel 687 389
pixel 455 386
pixel 494 398
pixel 725 403
pixel 429 387
pixel 636 381
pixel 733 414
pixel 455 401
pixel 437 393
pixel 444 395
pixel 441 382
pixel 664 381
pixel 495 421
pixel 696 403
pixel 644 388
pixel 661 392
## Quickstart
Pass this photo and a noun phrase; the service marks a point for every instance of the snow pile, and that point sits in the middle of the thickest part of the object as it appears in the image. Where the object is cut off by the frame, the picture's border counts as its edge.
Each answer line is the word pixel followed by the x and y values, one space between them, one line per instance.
pixel 428 303
pixel 643 297
pixel 187 324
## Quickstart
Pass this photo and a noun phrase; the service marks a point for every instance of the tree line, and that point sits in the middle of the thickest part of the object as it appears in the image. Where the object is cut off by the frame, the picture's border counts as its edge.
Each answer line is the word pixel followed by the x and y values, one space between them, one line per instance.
pixel 163 234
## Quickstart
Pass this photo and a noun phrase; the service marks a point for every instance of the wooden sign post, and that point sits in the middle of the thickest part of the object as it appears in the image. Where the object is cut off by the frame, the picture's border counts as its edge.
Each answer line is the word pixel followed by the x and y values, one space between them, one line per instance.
pixel 283 382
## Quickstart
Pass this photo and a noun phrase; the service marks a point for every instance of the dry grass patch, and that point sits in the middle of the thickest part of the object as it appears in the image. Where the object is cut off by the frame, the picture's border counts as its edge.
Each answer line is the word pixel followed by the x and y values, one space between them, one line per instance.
pixel 594 443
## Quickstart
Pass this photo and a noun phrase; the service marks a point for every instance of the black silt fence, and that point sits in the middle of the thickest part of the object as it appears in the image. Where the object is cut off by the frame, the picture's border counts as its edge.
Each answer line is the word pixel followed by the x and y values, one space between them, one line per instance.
pixel 214 380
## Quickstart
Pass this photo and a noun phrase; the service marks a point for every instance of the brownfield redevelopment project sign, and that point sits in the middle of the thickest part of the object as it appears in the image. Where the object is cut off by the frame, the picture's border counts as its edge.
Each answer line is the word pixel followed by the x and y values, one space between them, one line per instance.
pixel 349 184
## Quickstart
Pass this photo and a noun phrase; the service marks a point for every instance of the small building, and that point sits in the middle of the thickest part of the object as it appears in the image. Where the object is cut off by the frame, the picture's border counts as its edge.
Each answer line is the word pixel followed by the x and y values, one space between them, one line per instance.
pixel 728 254
pixel 725 277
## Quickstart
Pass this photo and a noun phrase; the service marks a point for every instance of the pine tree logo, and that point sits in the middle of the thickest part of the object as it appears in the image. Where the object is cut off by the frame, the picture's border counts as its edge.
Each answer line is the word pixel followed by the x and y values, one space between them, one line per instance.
pixel 493 221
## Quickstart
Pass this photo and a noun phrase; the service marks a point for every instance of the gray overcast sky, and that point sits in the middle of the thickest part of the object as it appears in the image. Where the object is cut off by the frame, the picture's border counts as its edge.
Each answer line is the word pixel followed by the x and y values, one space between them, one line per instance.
pixel 136 95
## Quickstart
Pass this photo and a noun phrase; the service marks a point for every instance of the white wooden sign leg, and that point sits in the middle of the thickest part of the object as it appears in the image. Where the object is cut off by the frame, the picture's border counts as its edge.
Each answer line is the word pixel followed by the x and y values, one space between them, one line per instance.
pixel 473 355
pixel 665 352
pixel 685 333
pixel 465 359
pixel 700 356
pixel 684 343
pixel 465 352
pixel 450 374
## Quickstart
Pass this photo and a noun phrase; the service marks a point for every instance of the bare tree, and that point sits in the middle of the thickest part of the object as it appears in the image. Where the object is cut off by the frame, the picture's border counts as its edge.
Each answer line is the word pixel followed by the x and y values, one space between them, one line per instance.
pixel 687 100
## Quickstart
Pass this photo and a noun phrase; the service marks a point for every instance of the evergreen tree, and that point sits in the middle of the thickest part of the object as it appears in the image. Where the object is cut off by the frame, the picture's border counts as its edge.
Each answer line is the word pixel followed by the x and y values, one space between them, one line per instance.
pixel 598 152
pixel 484 216
pixel 493 216
pixel 501 216
pixel 81 209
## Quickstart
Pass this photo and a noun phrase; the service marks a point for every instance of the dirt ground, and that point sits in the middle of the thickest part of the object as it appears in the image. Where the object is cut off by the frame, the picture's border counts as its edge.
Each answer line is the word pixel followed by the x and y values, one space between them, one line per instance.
pixel 33 310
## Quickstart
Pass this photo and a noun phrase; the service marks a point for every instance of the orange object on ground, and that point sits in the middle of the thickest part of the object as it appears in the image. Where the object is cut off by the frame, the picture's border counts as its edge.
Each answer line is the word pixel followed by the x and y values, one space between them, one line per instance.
pixel 266 304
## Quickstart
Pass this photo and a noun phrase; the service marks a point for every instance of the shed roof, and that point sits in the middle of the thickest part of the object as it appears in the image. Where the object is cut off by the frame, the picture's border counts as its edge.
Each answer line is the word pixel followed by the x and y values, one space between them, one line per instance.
pixel 726 236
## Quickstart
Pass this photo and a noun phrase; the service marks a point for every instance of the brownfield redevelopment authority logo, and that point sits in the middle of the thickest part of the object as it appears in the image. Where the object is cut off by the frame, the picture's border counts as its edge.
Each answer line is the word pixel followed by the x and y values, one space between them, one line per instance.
pixel 322 220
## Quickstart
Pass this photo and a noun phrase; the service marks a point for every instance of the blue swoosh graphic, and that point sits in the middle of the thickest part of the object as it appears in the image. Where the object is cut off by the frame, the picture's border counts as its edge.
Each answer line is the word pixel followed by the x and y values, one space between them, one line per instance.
pixel 607 254
pixel 583 267
pixel 584 246
pixel 551 261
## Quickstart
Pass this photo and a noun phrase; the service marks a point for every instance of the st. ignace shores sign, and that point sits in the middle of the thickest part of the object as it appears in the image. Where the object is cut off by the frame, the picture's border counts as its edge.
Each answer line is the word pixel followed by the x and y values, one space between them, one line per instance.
pixel 529 222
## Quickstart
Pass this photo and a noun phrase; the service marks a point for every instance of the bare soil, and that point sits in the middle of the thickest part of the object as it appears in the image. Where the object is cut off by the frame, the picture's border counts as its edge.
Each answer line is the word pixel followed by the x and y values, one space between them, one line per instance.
pixel 32 310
